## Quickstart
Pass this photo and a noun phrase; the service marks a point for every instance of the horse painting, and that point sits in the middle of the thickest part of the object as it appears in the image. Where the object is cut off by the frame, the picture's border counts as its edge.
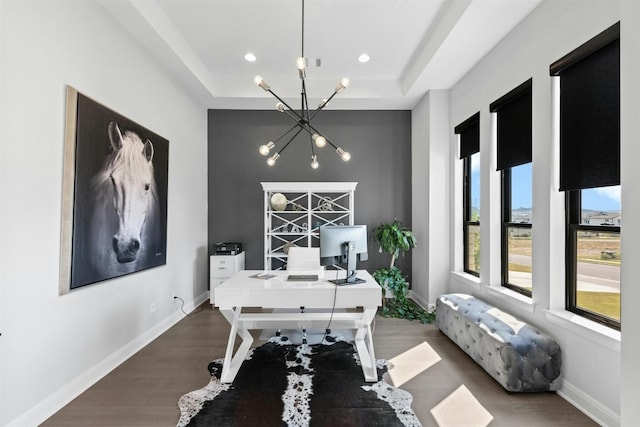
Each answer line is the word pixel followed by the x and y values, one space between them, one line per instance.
pixel 114 201
pixel 123 233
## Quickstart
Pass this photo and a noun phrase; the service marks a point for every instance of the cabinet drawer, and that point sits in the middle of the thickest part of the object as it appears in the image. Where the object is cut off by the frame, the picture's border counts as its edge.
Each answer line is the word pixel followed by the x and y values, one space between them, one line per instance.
pixel 221 262
pixel 215 282
pixel 218 281
pixel 222 268
pixel 225 265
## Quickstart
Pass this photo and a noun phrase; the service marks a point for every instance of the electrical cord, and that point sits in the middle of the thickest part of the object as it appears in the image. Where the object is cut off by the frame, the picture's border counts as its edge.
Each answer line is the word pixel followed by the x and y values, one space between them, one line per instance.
pixel 182 307
pixel 327 330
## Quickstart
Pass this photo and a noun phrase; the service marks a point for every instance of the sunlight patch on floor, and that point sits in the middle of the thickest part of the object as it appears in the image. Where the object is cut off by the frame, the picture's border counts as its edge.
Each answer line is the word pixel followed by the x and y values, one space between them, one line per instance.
pixel 412 362
pixel 461 408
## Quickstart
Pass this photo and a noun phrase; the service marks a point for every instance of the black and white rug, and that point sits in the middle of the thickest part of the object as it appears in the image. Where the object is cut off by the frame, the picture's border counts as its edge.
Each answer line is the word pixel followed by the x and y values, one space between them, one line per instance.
pixel 283 384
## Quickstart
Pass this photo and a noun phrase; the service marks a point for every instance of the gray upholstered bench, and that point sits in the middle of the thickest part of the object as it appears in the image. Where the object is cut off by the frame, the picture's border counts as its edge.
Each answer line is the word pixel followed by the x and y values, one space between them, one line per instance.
pixel 515 354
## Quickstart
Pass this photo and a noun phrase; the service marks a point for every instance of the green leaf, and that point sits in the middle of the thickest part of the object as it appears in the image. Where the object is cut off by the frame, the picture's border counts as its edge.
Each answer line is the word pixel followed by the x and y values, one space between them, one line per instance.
pixel 393 238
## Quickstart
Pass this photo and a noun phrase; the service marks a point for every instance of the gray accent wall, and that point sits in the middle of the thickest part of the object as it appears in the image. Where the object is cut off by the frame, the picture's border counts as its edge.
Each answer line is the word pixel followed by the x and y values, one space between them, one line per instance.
pixel 380 146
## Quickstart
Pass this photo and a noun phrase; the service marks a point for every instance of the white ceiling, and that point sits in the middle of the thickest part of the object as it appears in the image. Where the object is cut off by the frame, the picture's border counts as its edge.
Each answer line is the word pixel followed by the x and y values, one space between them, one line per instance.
pixel 414 45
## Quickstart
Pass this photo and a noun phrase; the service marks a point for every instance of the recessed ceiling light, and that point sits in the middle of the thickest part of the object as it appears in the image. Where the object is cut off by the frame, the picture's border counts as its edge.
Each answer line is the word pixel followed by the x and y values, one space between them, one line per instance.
pixel 364 58
pixel 250 57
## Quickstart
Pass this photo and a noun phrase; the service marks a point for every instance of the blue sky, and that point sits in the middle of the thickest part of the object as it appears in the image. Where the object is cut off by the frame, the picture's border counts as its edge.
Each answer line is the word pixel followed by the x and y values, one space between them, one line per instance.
pixel 599 199
pixel 521 189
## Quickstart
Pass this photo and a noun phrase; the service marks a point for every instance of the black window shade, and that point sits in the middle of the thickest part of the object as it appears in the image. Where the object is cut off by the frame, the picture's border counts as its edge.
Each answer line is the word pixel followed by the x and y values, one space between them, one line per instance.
pixel 469 132
pixel 590 113
pixel 514 126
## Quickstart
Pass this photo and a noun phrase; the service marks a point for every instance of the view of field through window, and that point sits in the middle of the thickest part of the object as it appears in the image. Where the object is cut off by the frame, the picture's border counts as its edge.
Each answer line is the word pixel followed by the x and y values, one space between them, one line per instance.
pixel 473 263
pixel 519 238
pixel 598 258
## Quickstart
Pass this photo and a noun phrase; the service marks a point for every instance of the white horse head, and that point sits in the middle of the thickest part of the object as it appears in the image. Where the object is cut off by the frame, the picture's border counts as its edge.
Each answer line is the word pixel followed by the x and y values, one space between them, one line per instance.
pixel 125 217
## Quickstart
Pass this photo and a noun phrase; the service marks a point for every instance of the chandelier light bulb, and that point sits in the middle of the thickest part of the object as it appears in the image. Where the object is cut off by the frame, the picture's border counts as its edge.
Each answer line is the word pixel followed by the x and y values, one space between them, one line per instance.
pixel 272 160
pixel 346 156
pixel 344 83
pixel 264 149
pixel 319 140
pixel 280 107
pixel 261 83
pixel 314 162
pixel 301 63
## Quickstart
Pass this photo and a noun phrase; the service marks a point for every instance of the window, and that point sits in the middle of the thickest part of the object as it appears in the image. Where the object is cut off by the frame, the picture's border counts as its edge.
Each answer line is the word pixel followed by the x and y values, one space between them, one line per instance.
pixel 469 137
pixel 514 136
pixel 516 233
pixel 590 175
pixel 593 258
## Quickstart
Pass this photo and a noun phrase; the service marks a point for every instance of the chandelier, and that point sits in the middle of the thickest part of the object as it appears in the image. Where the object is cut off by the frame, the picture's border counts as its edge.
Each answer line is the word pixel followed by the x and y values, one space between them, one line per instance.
pixel 303 118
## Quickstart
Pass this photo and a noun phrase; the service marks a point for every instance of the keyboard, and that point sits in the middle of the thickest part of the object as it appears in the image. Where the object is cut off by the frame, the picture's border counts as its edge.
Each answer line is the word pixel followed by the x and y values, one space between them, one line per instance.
pixel 302 278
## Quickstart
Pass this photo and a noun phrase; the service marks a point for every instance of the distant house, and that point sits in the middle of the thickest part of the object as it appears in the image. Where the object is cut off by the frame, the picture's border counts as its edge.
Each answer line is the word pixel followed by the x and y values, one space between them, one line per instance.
pixel 604 218
pixel 521 215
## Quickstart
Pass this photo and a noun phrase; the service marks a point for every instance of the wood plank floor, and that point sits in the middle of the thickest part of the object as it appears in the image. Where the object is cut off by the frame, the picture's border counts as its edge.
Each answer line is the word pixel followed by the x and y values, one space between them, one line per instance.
pixel 446 384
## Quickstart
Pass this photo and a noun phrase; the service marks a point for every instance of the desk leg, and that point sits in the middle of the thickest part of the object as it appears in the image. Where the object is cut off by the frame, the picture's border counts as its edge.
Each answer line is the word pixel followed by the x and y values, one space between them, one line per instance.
pixel 364 344
pixel 232 362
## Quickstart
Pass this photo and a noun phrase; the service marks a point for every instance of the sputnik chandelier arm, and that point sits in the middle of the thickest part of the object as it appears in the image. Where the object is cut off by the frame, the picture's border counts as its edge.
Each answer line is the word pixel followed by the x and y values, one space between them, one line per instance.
pixel 303 118
pixel 272 160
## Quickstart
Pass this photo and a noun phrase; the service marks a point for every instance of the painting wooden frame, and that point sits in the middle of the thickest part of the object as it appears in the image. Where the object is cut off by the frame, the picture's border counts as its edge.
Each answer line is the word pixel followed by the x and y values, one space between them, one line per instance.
pixel 114 212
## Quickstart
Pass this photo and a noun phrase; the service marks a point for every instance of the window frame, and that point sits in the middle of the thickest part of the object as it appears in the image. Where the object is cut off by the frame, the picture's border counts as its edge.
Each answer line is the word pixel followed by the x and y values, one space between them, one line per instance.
pixel 467 209
pixel 468 144
pixel 506 223
pixel 514 145
pixel 573 217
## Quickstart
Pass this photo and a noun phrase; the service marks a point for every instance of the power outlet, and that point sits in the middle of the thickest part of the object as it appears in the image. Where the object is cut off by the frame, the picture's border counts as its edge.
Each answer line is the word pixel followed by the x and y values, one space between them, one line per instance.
pixel 152 307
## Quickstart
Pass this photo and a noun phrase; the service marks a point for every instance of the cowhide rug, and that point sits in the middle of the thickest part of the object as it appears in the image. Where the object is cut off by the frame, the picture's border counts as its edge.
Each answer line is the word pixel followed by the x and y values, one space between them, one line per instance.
pixel 283 384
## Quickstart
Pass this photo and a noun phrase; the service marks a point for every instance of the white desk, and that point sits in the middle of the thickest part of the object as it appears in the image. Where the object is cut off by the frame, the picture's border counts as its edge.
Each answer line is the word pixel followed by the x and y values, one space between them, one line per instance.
pixel 241 290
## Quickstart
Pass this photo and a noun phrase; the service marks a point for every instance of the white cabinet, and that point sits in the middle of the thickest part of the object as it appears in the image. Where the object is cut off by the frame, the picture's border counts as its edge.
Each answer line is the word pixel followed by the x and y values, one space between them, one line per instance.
pixel 295 211
pixel 222 267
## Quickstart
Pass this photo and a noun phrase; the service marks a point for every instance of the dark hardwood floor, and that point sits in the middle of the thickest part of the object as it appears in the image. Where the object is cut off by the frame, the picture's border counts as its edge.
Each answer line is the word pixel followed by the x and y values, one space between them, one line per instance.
pixel 448 388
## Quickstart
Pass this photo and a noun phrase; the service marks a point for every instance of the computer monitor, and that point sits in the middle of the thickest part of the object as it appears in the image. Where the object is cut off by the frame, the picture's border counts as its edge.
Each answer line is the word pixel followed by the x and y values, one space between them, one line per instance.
pixel 344 245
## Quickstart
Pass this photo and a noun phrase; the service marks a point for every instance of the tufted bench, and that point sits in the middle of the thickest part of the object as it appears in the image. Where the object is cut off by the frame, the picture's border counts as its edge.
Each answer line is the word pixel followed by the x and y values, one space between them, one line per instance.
pixel 515 354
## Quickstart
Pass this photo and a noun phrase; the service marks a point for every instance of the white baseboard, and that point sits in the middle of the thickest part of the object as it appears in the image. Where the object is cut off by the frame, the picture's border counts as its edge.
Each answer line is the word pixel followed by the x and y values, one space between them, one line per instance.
pixel 589 406
pixel 198 301
pixel 66 394
pixel 421 301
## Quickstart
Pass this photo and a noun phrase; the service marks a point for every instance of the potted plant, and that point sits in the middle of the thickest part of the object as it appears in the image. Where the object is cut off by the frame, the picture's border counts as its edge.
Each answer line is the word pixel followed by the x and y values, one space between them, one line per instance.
pixel 394 239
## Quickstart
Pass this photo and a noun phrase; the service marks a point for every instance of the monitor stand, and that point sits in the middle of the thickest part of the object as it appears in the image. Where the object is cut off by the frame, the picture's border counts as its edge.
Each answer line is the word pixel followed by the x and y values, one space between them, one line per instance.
pixel 350 255
pixel 349 281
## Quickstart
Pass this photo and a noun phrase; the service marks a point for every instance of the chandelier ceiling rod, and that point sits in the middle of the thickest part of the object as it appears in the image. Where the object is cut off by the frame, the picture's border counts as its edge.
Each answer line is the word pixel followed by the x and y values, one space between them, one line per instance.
pixel 303 119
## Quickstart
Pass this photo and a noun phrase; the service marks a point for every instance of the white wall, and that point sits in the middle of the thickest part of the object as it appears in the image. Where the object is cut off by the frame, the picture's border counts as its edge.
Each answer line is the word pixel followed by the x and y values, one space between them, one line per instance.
pixel 430 195
pixel 630 177
pixel 52 347
pixel 591 353
pixel 552 30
